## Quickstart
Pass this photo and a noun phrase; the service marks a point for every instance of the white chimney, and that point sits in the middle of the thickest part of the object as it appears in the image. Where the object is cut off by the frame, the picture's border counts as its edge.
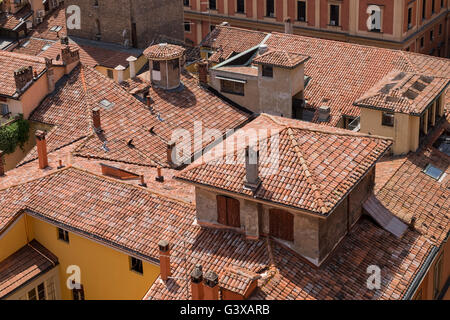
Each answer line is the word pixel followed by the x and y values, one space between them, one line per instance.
pixel 324 113
pixel 132 61
pixel 288 27
pixel 251 168
pixel 120 69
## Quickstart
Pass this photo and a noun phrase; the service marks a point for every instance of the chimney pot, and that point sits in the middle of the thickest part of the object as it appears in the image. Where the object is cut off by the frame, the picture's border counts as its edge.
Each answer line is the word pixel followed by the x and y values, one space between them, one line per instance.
pixel 211 286
pixel 171 153
pixel 324 113
pixel 96 120
pixel 251 168
pixel 164 259
pixel 159 176
pixel 120 69
pixel 2 164
pixel 41 145
pixel 196 283
pixel 143 184
pixel 203 73
pixel 288 27
pixel 132 61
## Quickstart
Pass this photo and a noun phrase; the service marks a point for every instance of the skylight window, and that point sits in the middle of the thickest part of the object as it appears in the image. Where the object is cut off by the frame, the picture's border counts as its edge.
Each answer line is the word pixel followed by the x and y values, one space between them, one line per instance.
pixel 433 172
pixel 45 48
pixel 26 43
pixel 56 28
pixel 106 104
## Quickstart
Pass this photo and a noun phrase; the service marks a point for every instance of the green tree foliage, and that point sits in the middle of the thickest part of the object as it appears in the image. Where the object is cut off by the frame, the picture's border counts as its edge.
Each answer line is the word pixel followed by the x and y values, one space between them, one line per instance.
pixel 14 134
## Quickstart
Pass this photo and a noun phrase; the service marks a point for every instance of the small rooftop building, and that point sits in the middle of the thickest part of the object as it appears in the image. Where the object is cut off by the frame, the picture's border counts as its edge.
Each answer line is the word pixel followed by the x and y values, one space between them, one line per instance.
pixel 165 61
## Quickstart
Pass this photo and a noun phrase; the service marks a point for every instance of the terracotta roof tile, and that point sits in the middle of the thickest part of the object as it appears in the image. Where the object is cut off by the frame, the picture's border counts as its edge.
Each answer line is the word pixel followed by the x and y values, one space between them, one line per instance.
pixel 24 265
pixel 312 170
pixel 57 18
pixel 281 58
pixel 164 51
pixel 11 21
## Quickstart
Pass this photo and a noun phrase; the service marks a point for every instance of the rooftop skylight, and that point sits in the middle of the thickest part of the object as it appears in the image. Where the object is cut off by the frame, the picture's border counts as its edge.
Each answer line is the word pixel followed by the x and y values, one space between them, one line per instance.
pixel 433 172
pixel 106 104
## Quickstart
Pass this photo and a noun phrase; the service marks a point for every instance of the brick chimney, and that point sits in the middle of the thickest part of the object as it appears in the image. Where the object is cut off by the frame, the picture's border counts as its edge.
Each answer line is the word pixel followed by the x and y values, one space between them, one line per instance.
pixel 132 61
pixel 70 57
pixel 203 72
pixel 211 286
pixel 96 120
pixel 22 77
pixel 196 283
pixel 41 145
pixel 288 26
pixel 164 259
pixel 50 74
pixel 2 163
pixel 170 153
pixel 251 168
pixel 159 176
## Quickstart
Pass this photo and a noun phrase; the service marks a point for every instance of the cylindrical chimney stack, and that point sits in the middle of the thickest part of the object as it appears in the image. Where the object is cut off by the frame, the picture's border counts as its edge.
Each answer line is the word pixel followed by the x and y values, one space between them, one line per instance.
pixel 120 69
pixel 211 286
pixel 41 145
pixel 196 283
pixel 132 61
pixel 164 259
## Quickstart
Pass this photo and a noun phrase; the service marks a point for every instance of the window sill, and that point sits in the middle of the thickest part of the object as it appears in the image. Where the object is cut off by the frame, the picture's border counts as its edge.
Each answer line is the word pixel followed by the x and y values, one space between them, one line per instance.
pixel 233 93
pixel 137 272
pixel 387 125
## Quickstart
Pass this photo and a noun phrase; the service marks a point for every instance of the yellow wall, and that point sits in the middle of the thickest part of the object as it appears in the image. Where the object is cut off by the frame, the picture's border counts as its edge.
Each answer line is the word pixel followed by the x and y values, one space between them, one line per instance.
pixel 139 64
pixel 13 238
pixel 105 272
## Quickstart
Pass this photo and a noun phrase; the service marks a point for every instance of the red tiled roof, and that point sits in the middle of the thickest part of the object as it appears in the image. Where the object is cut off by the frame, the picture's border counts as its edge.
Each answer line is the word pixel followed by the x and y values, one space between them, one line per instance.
pixel 340 72
pixel 313 169
pixel 92 56
pixel 57 18
pixel 10 62
pixel 404 92
pixel 128 119
pixel 33 46
pixel 120 214
pixel 281 58
pixel 226 41
pixel 164 51
pixel 250 71
pixel 11 21
pixel 24 265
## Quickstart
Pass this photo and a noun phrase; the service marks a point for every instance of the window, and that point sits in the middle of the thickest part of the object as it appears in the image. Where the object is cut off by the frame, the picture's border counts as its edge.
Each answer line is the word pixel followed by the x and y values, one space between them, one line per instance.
pixel 95 3
pixel 186 3
pixel 136 265
pixel 156 66
pixel 110 73
pixel 232 87
pixel 4 109
pixel 281 224
pixel 78 294
pixel 267 71
pixel 409 18
pixel 240 6
pixel 421 42
pixel 334 15
pixel 301 10
pixel 424 9
pixel 212 5
pixel 63 235
pixel 187 26
pixel 440 29
pixel 437 276
pixel 433 5
pixel 37 293
pixel 433 172
pixel 442 3
pixel 387 119
pixel 228 211
pixel 431 35
pixel 270 8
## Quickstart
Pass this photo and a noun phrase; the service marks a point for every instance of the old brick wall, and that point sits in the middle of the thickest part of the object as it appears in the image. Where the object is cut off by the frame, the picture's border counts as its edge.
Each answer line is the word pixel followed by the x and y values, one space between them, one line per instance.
pixel 114 20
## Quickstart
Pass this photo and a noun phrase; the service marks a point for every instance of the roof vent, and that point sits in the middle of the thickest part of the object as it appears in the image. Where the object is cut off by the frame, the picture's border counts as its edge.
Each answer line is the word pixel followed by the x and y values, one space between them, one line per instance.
pixel 324 113
pixel 263 49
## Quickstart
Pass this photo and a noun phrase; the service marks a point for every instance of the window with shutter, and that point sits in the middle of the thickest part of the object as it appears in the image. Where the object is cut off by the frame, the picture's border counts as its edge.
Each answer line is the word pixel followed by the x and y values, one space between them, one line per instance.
pixel 281 224
pixel 228 211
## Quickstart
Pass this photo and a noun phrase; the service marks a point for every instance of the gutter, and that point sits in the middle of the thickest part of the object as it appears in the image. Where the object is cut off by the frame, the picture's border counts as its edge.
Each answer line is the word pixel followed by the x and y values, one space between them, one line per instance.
pixel 417 281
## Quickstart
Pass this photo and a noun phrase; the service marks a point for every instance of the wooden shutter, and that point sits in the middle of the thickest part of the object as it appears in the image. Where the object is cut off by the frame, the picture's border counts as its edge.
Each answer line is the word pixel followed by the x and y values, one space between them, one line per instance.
pixel 233 213
pixel 281 224
pixel 222 210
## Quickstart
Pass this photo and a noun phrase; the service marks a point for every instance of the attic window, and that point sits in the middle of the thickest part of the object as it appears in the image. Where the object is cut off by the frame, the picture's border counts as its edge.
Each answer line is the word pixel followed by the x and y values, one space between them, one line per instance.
pixel 106 104
pixel 45 48
pixel 433 172
pixel 267 71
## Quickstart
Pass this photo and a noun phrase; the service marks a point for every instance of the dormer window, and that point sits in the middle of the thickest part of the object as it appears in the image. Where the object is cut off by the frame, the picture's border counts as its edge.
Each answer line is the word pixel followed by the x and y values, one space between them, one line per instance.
pixel 267 71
